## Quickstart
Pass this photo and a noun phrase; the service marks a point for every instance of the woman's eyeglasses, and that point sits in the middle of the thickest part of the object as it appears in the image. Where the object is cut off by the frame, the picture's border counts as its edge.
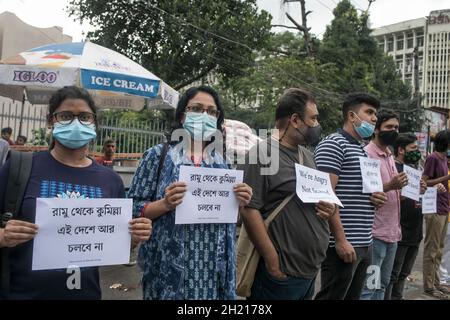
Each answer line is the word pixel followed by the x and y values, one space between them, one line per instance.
pixel 200 109
pixel 66 117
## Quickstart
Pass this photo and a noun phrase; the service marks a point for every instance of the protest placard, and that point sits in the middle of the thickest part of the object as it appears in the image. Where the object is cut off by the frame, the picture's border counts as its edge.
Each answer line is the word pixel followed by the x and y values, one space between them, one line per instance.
pixel 429 200
pixel 314 186
pixel 210 197
pixel 81 233
pixel 371 175
pixel 412 190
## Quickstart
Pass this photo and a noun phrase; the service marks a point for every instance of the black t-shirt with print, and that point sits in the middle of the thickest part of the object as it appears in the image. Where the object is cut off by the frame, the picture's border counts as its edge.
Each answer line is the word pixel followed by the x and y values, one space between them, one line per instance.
pixel 49 179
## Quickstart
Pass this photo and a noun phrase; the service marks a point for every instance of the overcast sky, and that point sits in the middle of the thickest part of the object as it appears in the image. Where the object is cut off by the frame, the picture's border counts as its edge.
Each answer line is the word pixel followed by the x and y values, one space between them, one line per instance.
pixel 48 13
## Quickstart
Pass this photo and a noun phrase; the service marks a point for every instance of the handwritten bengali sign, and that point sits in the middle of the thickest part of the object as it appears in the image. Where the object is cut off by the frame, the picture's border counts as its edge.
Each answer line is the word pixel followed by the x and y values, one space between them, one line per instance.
pixel 412 190
pixel 81 232
pixel 371 175
pixel 314 186
pixel 209 197
pixel 429 201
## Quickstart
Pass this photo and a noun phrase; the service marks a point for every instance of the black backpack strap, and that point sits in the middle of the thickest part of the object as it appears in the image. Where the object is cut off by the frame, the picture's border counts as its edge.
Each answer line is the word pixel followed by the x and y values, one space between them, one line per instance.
pixel 164 151
pixel 18 176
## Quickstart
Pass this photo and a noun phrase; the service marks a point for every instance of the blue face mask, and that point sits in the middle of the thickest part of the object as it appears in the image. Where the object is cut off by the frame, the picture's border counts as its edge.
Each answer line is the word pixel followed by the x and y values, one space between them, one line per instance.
pixel 200 125
pixel 365 129
pixel 74 135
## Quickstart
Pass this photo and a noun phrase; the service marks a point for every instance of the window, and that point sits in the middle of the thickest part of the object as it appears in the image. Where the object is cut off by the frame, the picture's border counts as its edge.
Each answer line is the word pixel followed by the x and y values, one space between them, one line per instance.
pixel 420 41
pixel 399 44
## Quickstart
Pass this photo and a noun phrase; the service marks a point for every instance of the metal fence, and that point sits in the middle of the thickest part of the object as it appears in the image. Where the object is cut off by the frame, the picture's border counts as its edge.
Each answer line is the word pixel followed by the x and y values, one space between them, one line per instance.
pixel 130 136
pixel 22 122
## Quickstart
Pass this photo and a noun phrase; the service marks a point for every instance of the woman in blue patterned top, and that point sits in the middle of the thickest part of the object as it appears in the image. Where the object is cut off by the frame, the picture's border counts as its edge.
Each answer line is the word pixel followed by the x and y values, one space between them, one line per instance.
pixel 191 261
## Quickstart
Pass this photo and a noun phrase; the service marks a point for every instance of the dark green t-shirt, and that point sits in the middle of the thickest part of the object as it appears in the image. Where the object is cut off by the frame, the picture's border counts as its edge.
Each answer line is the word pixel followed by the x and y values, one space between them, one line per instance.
pixel 298 234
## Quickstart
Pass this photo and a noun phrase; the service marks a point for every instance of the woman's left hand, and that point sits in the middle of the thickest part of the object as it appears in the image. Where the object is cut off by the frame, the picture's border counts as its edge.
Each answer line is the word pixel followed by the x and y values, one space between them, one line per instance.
pixel 140 229
pixel 244 193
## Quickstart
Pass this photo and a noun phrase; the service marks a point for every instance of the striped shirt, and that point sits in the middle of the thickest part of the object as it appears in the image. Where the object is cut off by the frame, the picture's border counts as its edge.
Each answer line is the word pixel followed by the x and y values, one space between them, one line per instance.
pixel 339 154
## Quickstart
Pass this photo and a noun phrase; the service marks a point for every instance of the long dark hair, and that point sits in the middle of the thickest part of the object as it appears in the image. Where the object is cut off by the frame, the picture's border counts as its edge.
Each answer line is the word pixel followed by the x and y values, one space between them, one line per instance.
pixel 187 96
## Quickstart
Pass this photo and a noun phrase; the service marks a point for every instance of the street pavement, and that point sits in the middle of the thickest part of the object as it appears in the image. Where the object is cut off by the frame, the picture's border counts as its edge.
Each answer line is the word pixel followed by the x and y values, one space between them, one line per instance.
pixel 123 282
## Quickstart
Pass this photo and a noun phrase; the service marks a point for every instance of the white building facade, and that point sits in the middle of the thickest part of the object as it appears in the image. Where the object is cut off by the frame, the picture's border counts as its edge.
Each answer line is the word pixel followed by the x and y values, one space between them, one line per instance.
pixel 430 37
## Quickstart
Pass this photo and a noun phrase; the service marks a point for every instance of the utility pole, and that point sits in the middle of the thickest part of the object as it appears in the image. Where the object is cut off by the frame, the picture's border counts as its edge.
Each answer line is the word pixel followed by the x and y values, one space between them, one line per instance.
pixel 303 27
pixel 416 75
pixel 370 3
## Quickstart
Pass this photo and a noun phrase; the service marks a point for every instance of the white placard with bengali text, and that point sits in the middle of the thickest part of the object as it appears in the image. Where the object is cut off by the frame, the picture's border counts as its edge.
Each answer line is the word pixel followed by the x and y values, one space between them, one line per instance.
pixel 210 197
pixel 412 190
pixel 81 233
pixel 371 175
pixel 314 186
pixel 429 201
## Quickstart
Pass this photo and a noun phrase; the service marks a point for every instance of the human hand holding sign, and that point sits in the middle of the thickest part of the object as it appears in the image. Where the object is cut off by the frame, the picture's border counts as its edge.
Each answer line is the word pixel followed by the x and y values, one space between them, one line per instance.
pixel 398 182
pixel 244 193
pixel 378 199
pixel 17 232
pixel 174 195
pixel 325 210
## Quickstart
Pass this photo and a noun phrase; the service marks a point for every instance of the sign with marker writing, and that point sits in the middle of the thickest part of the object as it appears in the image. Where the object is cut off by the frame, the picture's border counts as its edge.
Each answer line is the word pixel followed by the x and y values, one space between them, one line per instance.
pixel 371 175
pixel 210 197
pixel 429 200
pixel 412 190
pixel 314 186
pixel 81 233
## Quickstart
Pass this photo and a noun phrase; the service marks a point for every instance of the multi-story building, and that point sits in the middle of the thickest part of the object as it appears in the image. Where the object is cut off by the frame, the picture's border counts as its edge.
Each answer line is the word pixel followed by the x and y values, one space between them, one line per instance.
pixel 428 41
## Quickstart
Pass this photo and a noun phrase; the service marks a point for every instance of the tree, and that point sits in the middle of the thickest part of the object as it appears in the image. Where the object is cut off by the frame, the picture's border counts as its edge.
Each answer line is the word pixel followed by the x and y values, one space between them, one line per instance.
pixel 363 66
pixel 253 97
pixel 181 41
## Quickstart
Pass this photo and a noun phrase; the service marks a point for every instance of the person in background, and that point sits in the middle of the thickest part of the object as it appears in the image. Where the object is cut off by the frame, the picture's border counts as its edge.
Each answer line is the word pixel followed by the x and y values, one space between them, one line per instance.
pixel 4 149
pixel 444 269
pixel 436 171
pixel 6 135
pixel 21 140
pixel 109 149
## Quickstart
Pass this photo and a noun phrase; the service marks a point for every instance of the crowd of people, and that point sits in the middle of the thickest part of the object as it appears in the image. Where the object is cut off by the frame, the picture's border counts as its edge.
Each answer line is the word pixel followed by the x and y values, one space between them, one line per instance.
pixel 363 250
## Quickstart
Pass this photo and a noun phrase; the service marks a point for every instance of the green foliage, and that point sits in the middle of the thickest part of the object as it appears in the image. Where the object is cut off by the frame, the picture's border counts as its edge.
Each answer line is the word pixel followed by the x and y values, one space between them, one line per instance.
pixel 40 137
pixel 348 59
pixel 159 34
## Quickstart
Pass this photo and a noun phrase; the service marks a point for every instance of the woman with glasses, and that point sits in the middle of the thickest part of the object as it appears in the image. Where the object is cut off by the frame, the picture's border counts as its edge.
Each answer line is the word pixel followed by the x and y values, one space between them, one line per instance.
pixel 65 171
pixel 191 261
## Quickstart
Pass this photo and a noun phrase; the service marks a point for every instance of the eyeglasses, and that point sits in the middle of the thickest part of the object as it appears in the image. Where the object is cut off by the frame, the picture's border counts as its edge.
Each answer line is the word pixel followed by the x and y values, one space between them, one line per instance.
pixel 66 117
pixel 200 109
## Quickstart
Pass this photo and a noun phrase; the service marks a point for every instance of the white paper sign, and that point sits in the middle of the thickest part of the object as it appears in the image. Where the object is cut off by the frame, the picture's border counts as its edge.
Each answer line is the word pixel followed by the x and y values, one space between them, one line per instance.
pixel 371 175
pixel 314 186
pixel 429 200
pixel 412 190
pixel 209 197
pixel 81 232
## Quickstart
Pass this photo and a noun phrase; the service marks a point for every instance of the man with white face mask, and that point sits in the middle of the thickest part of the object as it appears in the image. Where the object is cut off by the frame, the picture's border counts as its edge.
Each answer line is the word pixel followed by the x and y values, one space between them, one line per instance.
pixel 344 270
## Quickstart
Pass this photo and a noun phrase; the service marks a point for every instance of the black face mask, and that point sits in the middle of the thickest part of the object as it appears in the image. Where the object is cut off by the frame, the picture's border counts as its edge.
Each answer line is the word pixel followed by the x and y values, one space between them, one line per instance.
pixel 312 136
pixel 388 137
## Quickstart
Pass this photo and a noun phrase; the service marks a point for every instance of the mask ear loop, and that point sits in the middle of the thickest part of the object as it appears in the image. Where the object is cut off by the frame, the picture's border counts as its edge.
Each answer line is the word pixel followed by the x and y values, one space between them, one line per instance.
pixel 289 123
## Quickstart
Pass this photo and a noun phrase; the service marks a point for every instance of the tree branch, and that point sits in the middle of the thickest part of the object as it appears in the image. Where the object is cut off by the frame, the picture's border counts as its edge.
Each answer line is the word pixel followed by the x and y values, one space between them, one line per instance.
pixel 194 78
pixel 284 26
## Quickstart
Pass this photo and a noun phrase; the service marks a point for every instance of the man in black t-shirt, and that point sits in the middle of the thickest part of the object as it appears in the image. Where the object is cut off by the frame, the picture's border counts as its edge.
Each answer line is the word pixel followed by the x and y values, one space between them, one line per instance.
pixel 406 152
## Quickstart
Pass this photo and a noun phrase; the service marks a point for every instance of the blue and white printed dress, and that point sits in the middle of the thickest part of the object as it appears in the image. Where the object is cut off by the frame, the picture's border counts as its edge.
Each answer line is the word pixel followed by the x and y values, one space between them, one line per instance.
pixel 195 261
